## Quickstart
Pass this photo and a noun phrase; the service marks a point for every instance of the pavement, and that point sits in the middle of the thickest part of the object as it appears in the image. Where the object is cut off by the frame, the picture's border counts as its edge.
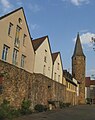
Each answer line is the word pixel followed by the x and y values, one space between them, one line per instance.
pixel 82 112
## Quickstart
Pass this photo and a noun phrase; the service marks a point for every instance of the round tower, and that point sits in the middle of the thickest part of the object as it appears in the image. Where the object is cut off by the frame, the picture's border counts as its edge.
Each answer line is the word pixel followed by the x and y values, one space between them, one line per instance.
pixel 78 69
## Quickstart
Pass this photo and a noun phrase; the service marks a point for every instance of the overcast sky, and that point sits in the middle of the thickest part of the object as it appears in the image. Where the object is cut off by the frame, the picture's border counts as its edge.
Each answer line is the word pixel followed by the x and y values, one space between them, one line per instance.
pixel 61 20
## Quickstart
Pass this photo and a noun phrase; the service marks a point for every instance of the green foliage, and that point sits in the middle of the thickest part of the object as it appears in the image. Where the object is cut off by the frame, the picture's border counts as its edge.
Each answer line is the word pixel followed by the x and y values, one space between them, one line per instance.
pixel 88 100
pixel 6 111
pixel 25 107
pixel 40 108
pixel 68 104
pixel 63 105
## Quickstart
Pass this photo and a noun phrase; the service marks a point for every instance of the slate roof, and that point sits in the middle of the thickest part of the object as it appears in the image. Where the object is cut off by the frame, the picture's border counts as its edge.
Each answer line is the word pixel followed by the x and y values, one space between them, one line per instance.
pixel 37 42
pixel 78 51
pixel 54 56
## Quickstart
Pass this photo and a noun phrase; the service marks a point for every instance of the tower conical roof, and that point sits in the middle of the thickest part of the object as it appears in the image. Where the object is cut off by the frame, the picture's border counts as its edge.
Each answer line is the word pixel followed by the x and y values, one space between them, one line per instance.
pixel 78 51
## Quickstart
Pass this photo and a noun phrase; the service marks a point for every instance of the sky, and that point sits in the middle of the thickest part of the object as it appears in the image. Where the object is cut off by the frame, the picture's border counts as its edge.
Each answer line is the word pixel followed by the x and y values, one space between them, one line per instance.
pixel 61 20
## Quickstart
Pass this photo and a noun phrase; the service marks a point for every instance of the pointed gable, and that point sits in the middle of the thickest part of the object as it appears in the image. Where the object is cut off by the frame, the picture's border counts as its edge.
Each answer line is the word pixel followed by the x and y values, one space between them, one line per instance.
pixel 78 51
pixel 4 16
pixel 54 56
pixel 37 42
pixel 11 13
pixel 22 45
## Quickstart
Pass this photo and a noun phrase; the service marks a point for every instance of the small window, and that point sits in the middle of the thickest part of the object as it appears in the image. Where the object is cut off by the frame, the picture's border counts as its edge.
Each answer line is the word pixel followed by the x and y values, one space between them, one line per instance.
pixel 17 36
pixel 58 66
pixel 5 52
pixel 44 70
pixel 48 68
pixel 54 76
pixel 10 29
pixel 45 57
pixel 20 20
pixel 23 61
pixel 15 52
pixel 58 78
pixel 24 39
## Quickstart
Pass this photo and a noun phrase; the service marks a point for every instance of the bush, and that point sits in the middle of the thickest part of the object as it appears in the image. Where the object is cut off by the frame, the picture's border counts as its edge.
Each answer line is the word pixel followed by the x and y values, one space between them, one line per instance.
pixel 6 111
pixel 40 108
pixel 68 104
pixel 25 107
pixel 63 105
pixel 88 100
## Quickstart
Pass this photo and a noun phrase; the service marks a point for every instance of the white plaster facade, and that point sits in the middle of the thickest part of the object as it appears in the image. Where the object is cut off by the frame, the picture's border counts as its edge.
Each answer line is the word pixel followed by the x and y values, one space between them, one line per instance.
pixel 21 47
pixel 57 69
pixel 43 59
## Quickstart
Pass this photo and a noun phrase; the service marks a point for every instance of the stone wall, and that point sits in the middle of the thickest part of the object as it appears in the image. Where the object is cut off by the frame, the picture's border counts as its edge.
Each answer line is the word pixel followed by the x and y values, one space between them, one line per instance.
pixel 19 84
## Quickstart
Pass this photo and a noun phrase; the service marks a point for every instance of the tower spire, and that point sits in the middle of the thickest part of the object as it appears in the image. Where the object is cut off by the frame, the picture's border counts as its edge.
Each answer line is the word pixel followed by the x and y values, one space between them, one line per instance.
pixel 78 51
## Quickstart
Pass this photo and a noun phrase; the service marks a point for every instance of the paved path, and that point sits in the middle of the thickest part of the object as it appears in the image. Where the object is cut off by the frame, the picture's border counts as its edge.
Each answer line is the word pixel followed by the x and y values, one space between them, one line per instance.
pixel 83 112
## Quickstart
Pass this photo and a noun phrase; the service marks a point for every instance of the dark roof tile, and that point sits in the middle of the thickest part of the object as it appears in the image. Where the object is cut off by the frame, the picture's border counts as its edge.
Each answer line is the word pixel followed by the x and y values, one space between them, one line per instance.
pixel 78 51
pixel 54 56
pixel 37 42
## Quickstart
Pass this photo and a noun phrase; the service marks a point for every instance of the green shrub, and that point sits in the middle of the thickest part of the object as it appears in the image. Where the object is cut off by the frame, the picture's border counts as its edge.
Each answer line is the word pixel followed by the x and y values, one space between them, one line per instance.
pixel 40 108
pixel 88 100
pixel 63 105
pixel 68 104
pixel 6 111
pixel 25 107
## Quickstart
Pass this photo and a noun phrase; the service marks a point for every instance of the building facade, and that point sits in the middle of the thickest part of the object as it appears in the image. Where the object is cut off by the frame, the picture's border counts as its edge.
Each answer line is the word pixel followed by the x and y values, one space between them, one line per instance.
pixel 15 41
pixel 28 67
pixel 43 58
pixel 71 88
pixel 90 90
pixel 78 69
pixel 57 67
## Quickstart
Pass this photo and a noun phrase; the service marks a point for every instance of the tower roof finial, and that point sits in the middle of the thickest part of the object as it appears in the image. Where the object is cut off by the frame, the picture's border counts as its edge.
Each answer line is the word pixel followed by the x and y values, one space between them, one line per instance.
pixel 78 51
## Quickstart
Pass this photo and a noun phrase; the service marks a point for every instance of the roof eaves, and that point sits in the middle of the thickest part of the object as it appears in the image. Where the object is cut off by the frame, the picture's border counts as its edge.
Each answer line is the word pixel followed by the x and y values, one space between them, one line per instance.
pixel 4 16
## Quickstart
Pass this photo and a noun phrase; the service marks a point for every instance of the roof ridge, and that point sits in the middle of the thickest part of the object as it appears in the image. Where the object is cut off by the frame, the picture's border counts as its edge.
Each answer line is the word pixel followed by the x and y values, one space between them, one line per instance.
pixel 40 37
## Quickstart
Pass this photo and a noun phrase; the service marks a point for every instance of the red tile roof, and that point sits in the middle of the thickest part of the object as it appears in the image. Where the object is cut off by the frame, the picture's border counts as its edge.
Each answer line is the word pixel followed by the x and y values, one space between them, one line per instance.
pixel 89 82
pixel 92 82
